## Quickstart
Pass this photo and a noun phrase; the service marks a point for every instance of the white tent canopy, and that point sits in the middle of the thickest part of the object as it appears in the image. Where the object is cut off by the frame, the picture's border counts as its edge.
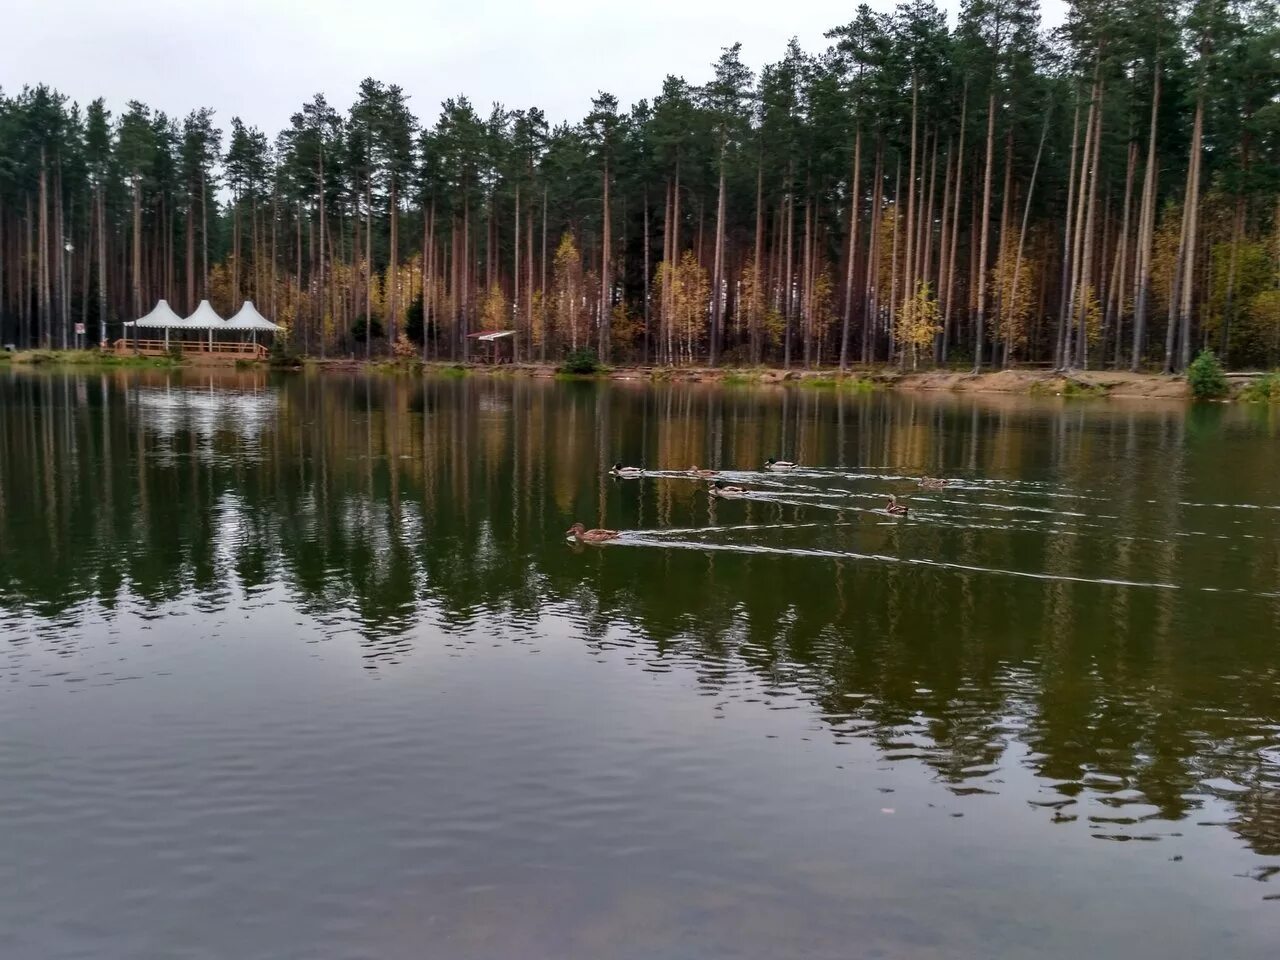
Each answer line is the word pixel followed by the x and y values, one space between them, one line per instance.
pixel 204 318
pixel 162 315
pixel 248 318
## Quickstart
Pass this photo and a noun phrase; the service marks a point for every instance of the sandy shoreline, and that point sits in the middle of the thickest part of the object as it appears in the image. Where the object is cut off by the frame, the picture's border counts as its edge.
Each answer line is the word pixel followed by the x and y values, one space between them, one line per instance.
pixel 1043 382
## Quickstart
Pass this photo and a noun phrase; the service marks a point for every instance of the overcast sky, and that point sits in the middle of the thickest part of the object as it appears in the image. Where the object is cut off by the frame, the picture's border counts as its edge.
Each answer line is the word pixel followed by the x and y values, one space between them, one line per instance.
pixel 260 59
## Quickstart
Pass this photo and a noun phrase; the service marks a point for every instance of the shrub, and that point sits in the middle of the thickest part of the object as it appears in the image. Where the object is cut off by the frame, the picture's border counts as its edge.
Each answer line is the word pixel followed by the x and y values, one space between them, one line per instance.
pixel 581 361
pixel 280 355
pixel 1206 377
pixel 1266 389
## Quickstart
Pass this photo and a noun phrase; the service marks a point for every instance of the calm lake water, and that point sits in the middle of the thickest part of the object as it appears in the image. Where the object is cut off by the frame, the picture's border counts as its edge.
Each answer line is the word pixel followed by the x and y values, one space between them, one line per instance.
pixel 306 669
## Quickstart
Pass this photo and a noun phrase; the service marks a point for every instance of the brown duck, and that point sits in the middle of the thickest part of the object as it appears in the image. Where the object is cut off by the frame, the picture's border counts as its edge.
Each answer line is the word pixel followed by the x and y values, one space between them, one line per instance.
pixel 894 508
pixel 705 474
pixel 933 483
pixel 583 535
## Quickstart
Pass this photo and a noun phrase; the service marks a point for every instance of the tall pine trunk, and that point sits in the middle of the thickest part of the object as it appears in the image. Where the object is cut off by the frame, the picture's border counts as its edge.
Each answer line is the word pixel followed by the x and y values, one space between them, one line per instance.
pixel 854 186
pixel 980 331
pixel 1064 306
pixel 1146 231
pixel 954 242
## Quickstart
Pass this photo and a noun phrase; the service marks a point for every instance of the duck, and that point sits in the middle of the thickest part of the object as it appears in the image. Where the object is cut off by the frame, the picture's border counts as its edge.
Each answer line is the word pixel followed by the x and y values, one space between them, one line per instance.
pixel 775 464
pixel 894 508
pixel 933 483
pixel 618 470
pixel 726 490
pixel 583 535
pixel 705 474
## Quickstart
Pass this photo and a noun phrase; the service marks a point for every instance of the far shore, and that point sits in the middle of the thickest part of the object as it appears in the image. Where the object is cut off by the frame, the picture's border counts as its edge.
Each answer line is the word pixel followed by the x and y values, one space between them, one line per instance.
pixel 1017 381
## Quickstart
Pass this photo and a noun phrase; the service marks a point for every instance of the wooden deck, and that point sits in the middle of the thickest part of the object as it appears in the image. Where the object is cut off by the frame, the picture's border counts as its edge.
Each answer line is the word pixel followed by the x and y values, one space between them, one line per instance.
pixel 193 349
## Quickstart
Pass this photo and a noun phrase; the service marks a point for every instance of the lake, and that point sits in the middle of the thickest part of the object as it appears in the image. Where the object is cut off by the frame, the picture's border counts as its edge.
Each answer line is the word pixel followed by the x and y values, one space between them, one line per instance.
pixel 306 668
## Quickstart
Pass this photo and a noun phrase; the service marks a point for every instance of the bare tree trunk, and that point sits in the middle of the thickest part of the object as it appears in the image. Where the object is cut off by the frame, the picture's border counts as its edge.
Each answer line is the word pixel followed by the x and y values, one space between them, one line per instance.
pixel 102 268
pixel 1193 214
pixel 42 265
pixel 320 291
pixel 368 269
pixel 393 266
pixel 787 278
pixel 926 222
pixel 1001 245
pixel 1228 306
pixel 806 307
pixel 1075 295
pixel 515 277
pixel 758 280
pixel 137 251
pixel 717 283
pixel 954 242
pixel 1064 307
pixel 1026 216
pixel 980 331
pixel 544 273
pixel 605 263
pixel 1122 255
pixel 944 249
pixel 647 293
pixel 275 221
pixel 528 267
pixel 893 263
pixel 297 310
pixel 1086 262
pixel 1146 230
pixel 871 306
pixel 909 266
pixel 854 187
pixel 59 249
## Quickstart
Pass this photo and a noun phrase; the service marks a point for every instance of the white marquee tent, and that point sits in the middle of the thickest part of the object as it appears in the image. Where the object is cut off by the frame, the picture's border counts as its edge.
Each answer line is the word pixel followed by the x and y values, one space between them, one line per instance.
pixel 204 317
pixel 248 318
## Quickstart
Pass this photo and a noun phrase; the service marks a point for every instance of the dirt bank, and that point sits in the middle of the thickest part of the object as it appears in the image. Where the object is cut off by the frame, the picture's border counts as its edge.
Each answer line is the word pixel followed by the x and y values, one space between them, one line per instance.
pixel 1029 382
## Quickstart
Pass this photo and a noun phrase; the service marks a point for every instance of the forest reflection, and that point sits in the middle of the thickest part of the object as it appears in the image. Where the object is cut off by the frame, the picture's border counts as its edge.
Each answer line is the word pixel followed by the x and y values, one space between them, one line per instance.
pixel 1094 598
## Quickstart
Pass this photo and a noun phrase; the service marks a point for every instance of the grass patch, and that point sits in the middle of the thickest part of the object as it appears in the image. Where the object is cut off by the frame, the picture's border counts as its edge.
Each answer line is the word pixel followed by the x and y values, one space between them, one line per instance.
pixel 853 384
pixel 90 358
pixel 1266 389
pixel 452 372
pixel 1070 389
pixel 1074 390
pixel 412 367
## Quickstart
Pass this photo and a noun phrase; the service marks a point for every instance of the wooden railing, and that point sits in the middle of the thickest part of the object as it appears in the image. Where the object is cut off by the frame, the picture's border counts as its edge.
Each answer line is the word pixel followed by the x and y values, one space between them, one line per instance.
pixel 222 348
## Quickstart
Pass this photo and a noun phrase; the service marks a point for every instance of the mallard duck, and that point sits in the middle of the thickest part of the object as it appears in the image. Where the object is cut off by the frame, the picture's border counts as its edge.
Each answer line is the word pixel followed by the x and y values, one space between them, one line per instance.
pixel 894 508
pixel 705 474
pixel 726 490
pixel 773 464
pixel 933 483
pixel 583 535
pixel 618 470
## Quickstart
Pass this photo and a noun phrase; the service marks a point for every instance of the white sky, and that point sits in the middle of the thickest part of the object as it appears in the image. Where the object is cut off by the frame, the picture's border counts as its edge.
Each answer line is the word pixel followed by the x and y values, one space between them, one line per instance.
pixel 261 60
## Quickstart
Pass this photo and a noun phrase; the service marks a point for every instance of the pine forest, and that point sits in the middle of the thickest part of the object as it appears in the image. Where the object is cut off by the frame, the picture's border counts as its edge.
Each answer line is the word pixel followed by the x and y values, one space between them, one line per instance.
pixel 975 194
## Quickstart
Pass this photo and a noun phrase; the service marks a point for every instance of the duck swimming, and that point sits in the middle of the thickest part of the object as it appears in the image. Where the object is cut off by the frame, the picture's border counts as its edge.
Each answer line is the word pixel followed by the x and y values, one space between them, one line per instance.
pixel 728 491
pixel 894 508
pixel 933 483
pixel 705 474
pixel 773 464
pixel 583 535
pixel 618 470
